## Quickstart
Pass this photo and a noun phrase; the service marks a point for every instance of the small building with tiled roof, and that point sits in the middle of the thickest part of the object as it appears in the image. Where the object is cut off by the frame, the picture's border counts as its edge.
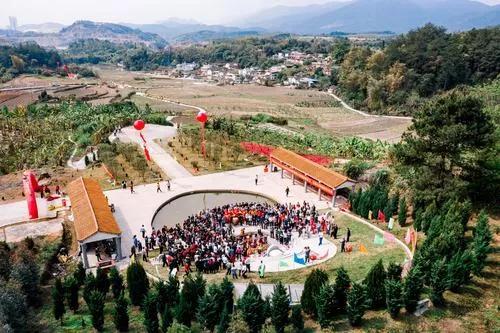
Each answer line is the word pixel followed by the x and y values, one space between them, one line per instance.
pixel 324 180
pixel 95 226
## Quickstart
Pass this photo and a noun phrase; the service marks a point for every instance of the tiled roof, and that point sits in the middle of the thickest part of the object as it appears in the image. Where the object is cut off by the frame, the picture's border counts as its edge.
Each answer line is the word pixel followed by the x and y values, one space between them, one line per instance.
pixel 90 209
pixel 303 165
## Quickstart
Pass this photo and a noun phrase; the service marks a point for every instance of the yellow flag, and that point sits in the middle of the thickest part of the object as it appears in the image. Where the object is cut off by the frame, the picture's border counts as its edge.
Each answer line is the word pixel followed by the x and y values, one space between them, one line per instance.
pixel 362 248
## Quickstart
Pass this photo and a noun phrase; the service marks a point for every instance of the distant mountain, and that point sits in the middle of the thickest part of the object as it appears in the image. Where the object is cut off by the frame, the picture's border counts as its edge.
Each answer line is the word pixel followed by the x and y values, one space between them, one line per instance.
pixel 376 15
pixel 172 30
pixel 87 30
pixel 46 28
pixel 209 35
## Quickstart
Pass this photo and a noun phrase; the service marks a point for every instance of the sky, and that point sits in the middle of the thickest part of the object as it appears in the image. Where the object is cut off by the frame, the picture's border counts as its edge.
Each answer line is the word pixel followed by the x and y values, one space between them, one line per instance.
pixel 140 11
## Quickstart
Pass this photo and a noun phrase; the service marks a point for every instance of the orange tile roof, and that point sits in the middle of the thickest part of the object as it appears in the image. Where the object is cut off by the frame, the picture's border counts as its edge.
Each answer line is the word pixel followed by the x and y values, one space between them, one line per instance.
pixel 320 173
pixel 90 209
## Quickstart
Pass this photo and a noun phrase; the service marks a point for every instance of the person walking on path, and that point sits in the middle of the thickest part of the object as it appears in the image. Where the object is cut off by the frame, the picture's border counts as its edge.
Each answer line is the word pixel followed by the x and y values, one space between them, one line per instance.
pixel 168 184
pixel 262 270
pixel 143 231
pixel 320 238
pixel 158 188
pixel 342 245
pixel 287 191
pixel 132 187
pixel 348 235
pixel 256 180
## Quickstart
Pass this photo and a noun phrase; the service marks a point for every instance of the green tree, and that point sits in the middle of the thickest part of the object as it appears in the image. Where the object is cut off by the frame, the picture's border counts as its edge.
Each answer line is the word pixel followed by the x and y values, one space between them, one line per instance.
pixel 481 245
pixel 161 295
pixel 116 281
pixel 326 305
pixel 96 308
pixel 58 300
pixel 296 318
pixel 172 291
pixel 120 314
pixel 341 288
pixel 238 325
pixel 394 298
pixel 209 309
pixel 102 281
pixel 459 270
pixel 79 273
pixel 412 288
pixel 402 211
pixel 227 289
pixel 251 306
pixel 374 282
pixel 26 272
pixel 225 318
pixel 357 304
pixel 5 261
pixel 150 309
pixel 280 308
pixel 167 318
pixel 394 271
pixel 71 288
pixel 13 308
pixel 192 290
pixel 89 286
pixel 137 283
pixel 438 282
pixel 314 281
pixel 448 134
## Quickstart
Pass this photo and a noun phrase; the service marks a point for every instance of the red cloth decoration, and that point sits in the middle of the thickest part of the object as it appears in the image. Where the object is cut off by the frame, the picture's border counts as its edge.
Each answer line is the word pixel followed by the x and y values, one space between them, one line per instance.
pixel 381 216
pixel 146 152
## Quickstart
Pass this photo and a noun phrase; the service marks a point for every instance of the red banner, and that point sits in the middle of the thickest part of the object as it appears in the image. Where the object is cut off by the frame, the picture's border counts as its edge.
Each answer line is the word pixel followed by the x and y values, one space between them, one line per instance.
pixel 30 185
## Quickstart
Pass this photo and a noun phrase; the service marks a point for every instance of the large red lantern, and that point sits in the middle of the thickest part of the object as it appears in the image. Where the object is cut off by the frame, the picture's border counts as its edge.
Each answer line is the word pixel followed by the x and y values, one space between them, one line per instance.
pixel 202 117
pixel 139 124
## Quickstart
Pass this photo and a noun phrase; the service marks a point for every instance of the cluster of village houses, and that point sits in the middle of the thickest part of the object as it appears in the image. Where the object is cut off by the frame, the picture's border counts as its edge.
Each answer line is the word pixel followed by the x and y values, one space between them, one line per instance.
pixel 231 73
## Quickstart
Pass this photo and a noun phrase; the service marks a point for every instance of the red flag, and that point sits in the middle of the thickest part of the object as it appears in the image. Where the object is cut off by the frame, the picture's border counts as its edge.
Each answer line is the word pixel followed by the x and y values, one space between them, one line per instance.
pixel 142 137
pixel 146 152
pixel 381 216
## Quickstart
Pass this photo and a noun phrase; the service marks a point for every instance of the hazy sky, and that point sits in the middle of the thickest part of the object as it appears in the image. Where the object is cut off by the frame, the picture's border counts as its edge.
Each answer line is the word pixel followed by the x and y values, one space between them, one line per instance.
pixel 139 11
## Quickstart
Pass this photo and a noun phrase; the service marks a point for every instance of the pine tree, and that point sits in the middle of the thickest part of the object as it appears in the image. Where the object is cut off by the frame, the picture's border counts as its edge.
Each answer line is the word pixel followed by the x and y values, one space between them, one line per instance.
pixel 102 281
pixel 225 318
pixel 5 261
pixel 481 245
pixel 192 290
pixel 167 318
pixel 438 282
pixel 96 308
pixel 172 291
pixel 13 308
pixel 238 325
pixel 267 307
pixel 150 309
pixel 71 288
pixel 341 288
pixel 374 282
pixel 79 274
pixel 412 288
pixel 227 289
pixel 280 308
pixel 183 313
pixel 161 295
pixel 89 286
pixel 178 328
pixel 394 271
pixel 120 314
pixel 326 305
pixel 459 269
pixel 251 306
pixel 116 281
pixel 209 308
pixel 357 304
pixel 394 298
pixel 26 272
pixel 314 281
pixel 402 211
pixel 137 282
pixel 58 300
pixel 297 319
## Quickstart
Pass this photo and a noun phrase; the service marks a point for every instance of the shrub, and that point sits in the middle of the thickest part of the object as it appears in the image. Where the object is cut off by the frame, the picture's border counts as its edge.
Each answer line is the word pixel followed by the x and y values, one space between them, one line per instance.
pixel 355 168
pixel 374 282
pixel 120 314
pixel 356 304
pixel 13 309
pixel 296 318
pixel 137 282
pixel 326 305
pixel 89 286
pixel 102 281
pixel 27 272
pixel 5 261
pixel 412 288
pixel 71 288
pixel 481 244
pixel 341 288
pixel 58 300
pixel 96 308
pixel 251 306
pixel 79 273
pixel 315 280
pixel 238 325
pixel 393 291
pixel 402 211
pixel 150 308
pixel 280 308
pixel 209 308
pixel 116 281
pixel 438 282
pixel 394 271
pixel 167 318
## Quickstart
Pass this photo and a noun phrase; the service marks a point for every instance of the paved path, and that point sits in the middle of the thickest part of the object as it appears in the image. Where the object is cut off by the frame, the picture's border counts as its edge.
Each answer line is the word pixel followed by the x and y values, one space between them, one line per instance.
pixel 165 161
pixel 161 99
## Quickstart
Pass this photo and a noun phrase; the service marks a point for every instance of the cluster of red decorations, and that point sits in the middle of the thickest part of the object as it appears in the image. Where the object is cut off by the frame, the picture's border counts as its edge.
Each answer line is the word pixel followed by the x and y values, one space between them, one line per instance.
pixel 264 150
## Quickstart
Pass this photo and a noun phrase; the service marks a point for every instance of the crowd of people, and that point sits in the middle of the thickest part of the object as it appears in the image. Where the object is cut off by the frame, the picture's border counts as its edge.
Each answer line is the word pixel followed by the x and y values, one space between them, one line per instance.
pixel 207 242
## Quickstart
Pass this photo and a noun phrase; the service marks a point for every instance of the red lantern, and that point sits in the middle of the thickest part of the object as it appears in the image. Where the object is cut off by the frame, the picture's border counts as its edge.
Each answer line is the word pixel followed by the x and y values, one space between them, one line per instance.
pixel 139 125
pixel 202 117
